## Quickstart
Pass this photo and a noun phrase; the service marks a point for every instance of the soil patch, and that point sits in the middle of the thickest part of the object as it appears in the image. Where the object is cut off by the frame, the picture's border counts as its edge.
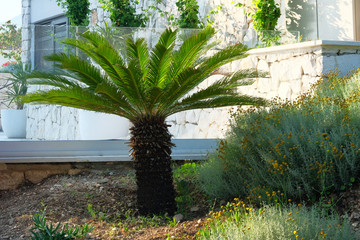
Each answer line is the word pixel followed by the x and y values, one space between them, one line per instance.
pixel 104 199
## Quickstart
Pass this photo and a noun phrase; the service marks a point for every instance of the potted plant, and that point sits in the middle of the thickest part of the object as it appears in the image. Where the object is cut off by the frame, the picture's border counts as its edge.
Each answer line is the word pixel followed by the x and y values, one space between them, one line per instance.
pixel 13 121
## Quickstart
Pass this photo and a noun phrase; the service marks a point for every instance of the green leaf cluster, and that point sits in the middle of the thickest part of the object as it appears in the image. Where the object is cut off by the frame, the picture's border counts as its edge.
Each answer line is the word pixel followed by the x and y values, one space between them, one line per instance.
pixel 304 150
pixel 77 11
pixel 266 14
pixel 189 14
pixel 43 231
pixel 158 82
pixel 16 85
pixel 123 13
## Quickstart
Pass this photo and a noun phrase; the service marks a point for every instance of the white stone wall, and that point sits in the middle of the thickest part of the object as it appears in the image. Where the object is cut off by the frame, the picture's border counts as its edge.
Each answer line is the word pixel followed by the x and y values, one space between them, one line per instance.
pixel 292 69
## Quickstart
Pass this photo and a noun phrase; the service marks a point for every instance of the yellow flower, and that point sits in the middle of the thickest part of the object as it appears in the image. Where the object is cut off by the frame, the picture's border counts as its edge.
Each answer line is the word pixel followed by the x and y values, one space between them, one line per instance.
pixel 295 232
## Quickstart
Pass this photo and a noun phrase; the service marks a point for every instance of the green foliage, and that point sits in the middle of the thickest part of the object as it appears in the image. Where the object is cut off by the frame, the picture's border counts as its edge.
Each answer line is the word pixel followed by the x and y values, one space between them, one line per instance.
pixel 143 82
pixel 237 221
pixel 96 214
pixel 43 231
pixel 77 11
pixel 10 41
pixel 266 14
pixel 145 87
pixel 265 19
pixel 189 14
pixel 188 9
pixel 304 150
pixel 123 13
pixel 185 178
pixel 16 85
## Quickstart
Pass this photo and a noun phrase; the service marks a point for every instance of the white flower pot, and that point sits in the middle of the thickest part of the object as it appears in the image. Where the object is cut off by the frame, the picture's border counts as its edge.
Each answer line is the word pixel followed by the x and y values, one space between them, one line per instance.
pixel 97 126
pixel 13 122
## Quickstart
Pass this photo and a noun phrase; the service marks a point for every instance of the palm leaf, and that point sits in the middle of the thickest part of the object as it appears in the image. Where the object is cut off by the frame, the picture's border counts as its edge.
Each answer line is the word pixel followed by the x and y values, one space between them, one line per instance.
pixel 161 58
pixel 221 101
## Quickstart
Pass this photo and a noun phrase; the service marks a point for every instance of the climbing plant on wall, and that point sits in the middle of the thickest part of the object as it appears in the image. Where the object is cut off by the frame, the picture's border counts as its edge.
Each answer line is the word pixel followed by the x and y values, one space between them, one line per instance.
pixel 123 13
pixel 189 14
pixel 77 11
pixel 265 15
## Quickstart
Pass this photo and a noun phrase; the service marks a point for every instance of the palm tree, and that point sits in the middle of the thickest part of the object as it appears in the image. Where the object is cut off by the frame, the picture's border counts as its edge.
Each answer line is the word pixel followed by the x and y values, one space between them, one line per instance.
pixel 145 87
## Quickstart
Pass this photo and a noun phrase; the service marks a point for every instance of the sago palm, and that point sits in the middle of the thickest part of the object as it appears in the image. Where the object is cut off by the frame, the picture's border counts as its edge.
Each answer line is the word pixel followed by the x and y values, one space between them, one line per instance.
pixel 145 87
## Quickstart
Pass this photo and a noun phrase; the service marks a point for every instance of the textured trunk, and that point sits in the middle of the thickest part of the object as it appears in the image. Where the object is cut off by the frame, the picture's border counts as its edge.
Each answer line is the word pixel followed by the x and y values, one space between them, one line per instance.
pixel 151 148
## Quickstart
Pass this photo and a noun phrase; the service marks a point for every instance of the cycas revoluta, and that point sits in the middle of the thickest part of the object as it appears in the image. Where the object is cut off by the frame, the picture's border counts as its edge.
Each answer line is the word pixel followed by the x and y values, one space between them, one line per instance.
pixel 145 86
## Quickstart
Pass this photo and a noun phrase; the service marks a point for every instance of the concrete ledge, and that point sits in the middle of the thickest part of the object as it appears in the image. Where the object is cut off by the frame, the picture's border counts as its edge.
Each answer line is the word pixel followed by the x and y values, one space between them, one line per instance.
pixel 306 45
pixel 24 151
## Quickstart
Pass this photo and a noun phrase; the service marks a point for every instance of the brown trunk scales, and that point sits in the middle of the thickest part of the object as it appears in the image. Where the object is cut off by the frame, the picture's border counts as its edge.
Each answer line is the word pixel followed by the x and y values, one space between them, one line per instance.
pixel 151 145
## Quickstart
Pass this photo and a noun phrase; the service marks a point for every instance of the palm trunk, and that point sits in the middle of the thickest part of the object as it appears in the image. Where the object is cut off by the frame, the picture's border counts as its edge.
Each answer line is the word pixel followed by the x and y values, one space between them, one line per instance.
pixel 151 148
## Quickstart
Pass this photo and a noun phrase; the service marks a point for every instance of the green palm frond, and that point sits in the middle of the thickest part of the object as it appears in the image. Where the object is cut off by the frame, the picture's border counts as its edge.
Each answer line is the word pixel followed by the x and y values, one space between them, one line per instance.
pixel 184 85
pixel 60 80
pixel 85 72
pixel 77 98
pixel 142 82
pixel 190 51
pixel 139 51
pixel 161 58
pixel 220 101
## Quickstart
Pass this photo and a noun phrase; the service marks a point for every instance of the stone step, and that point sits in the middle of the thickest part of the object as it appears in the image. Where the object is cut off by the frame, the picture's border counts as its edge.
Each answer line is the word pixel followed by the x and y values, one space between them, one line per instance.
pixel 25 151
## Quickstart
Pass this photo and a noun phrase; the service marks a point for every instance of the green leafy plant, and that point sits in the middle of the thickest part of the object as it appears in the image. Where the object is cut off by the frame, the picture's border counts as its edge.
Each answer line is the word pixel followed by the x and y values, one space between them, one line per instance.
pixel 189 14
pixel 239 221
pixel 185 178
pixel 303 150
pixel 146 87
pixel 188 9
pixel 77 11
pixel 10 41
pixel 44 231
pixel 96 214
pixel 123 13
pixel 16 85
pixel 265 15
pixel 265 19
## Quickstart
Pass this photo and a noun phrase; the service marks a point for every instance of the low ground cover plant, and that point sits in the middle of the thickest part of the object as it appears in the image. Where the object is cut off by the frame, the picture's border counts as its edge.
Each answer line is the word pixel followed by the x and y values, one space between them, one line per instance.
pixel 44 231
pixel 302 150
pixel 238 221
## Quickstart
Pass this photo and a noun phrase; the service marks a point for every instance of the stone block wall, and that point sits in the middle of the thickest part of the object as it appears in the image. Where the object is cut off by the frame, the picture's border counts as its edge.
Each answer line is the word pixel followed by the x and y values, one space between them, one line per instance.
pixel 291 71
pixel 12 175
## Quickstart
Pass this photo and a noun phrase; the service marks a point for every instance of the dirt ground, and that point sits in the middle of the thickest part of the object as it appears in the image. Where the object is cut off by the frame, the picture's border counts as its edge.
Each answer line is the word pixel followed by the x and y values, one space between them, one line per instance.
pixel 104 199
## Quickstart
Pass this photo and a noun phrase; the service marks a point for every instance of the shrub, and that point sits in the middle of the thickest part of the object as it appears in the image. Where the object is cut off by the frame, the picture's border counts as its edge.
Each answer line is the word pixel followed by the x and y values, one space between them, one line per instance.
pixel 238 221
pixel 303 149
pixel 185 177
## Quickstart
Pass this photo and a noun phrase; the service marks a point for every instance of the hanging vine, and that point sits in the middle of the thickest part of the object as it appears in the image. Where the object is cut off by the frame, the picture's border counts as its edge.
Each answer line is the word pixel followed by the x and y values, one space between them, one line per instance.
pixel 77 11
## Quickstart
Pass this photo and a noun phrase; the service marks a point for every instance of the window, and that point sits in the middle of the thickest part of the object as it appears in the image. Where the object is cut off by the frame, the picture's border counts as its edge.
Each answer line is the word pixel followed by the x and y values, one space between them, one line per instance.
pixel 47 36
